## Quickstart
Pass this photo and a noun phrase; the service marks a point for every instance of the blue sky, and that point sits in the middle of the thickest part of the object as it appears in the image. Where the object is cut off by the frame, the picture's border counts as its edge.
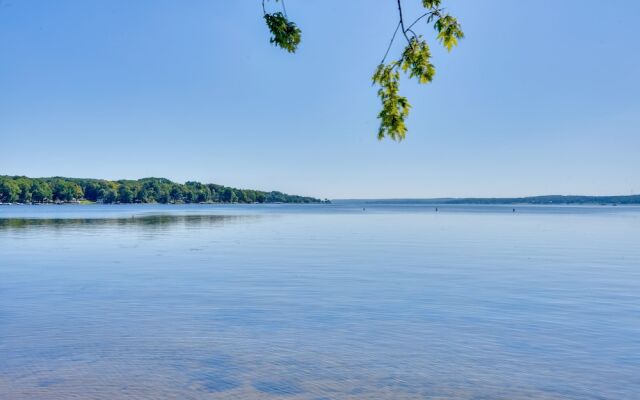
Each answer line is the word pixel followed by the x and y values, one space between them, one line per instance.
pixel 541 97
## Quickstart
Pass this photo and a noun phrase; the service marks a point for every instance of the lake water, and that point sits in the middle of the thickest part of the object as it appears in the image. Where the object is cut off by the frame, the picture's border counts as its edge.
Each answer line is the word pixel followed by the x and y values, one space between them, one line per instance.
pixel 319 302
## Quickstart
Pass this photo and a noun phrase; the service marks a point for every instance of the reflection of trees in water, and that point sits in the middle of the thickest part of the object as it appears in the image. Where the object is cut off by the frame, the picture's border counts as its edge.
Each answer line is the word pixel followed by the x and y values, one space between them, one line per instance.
pixel 151 222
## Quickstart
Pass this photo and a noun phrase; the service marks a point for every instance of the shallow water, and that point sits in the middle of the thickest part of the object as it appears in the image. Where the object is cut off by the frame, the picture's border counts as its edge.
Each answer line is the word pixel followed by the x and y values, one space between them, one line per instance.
pixel 319 302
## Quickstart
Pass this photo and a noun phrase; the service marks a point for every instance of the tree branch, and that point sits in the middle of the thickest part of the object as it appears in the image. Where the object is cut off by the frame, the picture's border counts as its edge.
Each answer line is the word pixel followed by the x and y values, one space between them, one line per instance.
pixel 418 19
pixel 390 43
pixel 430 13
pixel 404 31
pixel 264 9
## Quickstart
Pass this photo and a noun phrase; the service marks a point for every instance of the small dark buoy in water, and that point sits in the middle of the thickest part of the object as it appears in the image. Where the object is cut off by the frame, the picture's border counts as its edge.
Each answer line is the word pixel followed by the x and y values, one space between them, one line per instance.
pixel 436 209
pixel 514 210
pixel 362 208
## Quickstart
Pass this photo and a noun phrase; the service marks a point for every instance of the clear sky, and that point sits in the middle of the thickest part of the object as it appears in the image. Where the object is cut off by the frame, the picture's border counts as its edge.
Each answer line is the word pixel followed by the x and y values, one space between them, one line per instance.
pixel 541 97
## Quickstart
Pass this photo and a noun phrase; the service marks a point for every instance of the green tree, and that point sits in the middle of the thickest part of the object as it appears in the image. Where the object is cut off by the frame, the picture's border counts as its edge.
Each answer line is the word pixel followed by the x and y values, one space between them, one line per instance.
pixel 41 191
pixel 214 191
pixel 125 194
pixel 197 192
pixel 92 189
pixel 249 196
pixel 9 191
pixel 177 194
pixel 142 196
pixel 414 61
pixel 226 195
pixel 163 196
pixel 108 195
pixel 64 190
pixel 25 190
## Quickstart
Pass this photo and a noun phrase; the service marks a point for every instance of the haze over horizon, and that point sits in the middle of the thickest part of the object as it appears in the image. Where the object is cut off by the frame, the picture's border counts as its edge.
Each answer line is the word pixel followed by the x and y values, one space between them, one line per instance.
pixel 522 107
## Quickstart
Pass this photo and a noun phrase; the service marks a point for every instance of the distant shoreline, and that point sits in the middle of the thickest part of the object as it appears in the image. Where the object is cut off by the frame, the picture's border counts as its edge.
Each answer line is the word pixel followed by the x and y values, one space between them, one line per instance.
pixel 95 203
pixel 372 202
pixel 550 200
pixel 61 190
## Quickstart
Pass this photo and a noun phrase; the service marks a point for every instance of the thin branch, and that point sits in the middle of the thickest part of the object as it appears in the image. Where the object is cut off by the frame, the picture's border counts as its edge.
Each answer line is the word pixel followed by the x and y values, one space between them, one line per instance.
pixel 284 8
pixel 404 31
pixel 390 43
pixel 435 12
pixel 418 19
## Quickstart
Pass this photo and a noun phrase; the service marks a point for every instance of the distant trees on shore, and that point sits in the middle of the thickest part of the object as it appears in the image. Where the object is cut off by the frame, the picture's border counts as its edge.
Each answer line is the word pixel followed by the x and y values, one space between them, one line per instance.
pixel 20 189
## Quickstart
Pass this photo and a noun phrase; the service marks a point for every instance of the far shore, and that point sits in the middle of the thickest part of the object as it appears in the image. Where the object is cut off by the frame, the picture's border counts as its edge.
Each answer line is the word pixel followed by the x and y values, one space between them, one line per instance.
pixel 605 201
pixel 89 202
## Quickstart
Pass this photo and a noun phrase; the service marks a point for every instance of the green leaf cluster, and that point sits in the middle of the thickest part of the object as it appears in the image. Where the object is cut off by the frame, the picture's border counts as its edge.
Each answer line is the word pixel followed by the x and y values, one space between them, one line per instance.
pixel 395 108
pixel 415 61
pixel 431 3
pixel 449 31
pixel 284 33
pixel 416 58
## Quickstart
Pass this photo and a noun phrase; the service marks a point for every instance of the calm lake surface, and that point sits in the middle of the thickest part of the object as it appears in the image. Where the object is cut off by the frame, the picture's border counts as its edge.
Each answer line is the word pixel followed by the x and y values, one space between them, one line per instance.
pixel 319 302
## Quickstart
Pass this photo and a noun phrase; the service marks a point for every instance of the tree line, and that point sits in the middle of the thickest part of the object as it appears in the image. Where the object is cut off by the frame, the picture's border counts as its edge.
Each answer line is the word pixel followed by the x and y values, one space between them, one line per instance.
pixel 21 189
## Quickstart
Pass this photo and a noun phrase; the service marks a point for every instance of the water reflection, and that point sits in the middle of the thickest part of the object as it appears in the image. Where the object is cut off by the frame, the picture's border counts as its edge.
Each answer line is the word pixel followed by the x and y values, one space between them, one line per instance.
pixel 143 222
